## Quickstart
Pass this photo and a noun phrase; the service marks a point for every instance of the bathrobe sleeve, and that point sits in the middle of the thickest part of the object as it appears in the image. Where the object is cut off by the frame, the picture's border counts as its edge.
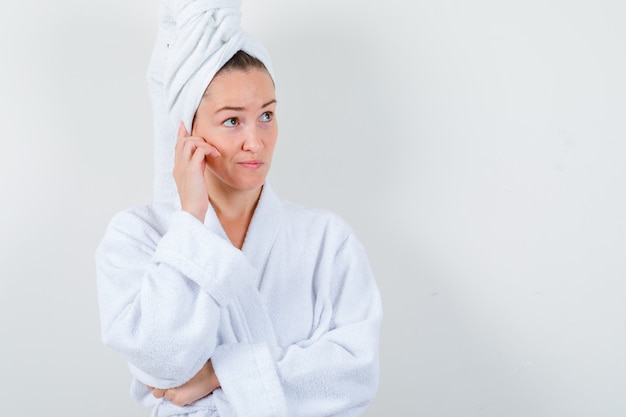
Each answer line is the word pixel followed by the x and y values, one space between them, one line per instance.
pixel 335 370
pixel 161 291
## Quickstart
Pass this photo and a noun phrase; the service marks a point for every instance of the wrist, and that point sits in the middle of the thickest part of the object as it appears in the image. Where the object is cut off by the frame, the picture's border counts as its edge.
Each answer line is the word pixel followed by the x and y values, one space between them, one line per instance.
pixel 197 212
pixel 213 381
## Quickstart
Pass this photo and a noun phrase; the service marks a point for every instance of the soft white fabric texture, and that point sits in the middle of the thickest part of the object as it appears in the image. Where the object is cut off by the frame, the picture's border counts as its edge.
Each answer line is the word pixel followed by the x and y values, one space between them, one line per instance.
pixel 291 322
pixel 195 39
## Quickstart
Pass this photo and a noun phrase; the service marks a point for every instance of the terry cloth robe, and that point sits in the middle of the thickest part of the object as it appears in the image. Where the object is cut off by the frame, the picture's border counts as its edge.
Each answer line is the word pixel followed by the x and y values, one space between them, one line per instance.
pixel 290 322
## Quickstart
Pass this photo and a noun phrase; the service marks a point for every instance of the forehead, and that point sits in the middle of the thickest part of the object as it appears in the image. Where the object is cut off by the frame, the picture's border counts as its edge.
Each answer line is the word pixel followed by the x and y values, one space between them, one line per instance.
pixel 240 85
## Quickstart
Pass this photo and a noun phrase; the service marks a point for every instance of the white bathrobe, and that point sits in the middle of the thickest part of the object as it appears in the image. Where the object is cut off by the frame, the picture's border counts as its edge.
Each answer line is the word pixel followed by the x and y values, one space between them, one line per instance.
pixel 290 322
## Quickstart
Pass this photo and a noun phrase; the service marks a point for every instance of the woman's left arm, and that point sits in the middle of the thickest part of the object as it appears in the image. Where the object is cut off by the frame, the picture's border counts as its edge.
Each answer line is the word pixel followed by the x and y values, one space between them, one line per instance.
pixel 333 372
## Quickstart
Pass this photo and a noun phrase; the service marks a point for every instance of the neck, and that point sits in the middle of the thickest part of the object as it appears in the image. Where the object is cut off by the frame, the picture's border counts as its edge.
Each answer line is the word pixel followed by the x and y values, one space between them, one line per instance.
pixel 235 205
pixel 234 208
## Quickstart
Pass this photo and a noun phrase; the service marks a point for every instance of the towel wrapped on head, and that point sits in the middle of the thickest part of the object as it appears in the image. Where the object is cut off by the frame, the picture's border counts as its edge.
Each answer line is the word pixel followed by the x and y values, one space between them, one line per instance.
pixel 194 40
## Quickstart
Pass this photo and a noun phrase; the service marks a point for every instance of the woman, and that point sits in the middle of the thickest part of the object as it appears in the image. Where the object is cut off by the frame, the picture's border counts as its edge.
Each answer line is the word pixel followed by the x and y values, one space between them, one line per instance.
pixel 229 301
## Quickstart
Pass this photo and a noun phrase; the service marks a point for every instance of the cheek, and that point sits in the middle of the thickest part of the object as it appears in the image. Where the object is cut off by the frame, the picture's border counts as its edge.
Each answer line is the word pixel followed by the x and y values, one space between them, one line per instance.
pixel 216 166
pixel 271 145
pixel 227 148
pixel 272 136
pixel 228 152
pixel 213 138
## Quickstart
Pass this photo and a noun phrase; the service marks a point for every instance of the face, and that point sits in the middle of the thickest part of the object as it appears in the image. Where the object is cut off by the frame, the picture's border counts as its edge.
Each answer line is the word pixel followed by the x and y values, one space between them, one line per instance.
pixel 237 116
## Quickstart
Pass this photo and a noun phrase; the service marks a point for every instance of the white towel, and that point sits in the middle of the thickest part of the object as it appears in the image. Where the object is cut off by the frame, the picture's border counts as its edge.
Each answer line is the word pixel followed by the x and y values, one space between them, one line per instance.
pixel 195 39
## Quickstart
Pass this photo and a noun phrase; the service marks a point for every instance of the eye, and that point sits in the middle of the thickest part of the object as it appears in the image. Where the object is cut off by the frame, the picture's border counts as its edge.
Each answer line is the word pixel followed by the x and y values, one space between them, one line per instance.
pixel 267 116
pixel 232 122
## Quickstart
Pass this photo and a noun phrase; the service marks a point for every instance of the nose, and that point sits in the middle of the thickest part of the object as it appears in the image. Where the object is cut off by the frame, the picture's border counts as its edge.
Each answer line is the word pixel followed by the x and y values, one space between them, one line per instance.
pixel 253 141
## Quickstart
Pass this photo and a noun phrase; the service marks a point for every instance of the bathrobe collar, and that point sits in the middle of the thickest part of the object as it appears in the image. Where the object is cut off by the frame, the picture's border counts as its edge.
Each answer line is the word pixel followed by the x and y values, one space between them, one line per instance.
pixel 262 230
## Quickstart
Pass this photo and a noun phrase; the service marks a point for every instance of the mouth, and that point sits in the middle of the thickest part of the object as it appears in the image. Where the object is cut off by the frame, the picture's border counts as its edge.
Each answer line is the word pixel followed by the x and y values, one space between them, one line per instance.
pixel 251 164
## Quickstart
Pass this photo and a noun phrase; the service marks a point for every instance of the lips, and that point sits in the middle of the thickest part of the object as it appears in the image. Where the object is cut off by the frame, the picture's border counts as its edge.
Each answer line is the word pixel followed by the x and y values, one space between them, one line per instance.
pixel 251 164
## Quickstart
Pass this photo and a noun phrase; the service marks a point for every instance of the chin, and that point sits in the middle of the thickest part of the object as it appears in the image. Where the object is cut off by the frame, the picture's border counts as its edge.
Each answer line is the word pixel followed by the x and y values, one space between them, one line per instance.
pixel 248 185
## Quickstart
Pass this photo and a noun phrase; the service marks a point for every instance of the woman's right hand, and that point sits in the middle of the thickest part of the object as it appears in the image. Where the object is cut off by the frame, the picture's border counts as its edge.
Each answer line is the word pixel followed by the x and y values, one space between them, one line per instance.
pixel 189 165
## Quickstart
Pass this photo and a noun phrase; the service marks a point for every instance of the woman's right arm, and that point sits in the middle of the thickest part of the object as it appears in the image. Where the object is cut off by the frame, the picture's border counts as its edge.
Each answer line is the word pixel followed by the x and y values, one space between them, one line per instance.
pixel 151 306
pixel 161 291
pixel 150 311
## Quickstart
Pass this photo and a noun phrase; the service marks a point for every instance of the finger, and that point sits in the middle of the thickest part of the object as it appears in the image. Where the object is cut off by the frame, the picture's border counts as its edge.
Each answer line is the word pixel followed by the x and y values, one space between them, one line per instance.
pixel 178 397
pixel 169 394
pixel 197 159
pixel 158 393
pixel 182 131
pixel 180 136
pixel 201 142
pixel 194 145
pixel 214 151
pixel 208 149
pixel 187 148
pixel 190 146
pixel 172 395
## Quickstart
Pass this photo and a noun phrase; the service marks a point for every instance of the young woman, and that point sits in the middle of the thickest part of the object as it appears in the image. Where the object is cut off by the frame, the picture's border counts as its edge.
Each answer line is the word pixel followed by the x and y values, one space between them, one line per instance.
pixel 230 301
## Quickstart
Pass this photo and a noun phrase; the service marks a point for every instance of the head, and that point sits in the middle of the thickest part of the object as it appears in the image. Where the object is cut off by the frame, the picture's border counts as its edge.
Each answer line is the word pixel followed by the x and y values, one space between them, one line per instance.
pixel 237 116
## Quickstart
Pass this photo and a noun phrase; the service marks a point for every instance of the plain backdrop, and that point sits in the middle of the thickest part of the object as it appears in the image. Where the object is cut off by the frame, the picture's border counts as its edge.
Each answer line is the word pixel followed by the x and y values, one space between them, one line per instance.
pixel 477 148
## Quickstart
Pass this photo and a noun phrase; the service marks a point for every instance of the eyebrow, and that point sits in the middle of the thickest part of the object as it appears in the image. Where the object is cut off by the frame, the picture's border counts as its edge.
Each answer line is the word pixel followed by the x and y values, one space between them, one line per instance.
pixel 232 108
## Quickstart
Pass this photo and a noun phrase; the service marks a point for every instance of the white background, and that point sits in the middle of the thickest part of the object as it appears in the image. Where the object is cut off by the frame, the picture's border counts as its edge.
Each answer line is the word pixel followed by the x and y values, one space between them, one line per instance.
pixel 477 149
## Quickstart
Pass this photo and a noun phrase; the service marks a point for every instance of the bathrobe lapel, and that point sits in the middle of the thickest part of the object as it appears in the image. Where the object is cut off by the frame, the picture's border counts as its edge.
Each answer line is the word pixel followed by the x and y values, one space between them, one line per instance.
pixel 258 243
pixel 262 230
pixel 213 224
